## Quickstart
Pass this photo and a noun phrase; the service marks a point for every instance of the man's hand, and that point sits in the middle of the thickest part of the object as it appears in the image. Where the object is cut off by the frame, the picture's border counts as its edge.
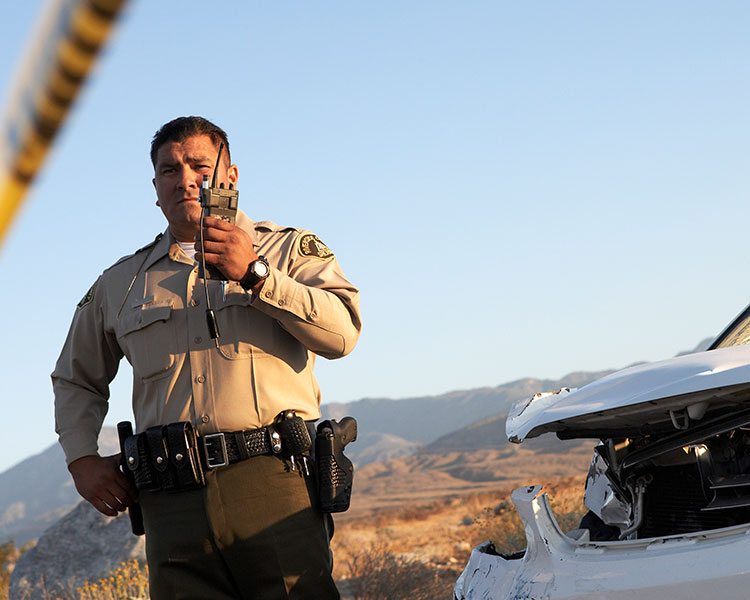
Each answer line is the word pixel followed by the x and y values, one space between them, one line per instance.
pixel 227 247
pixel 100 482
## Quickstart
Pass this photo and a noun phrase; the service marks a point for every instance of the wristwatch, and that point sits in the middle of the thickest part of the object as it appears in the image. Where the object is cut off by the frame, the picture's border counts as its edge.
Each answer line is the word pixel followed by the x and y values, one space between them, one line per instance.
pixel 257 271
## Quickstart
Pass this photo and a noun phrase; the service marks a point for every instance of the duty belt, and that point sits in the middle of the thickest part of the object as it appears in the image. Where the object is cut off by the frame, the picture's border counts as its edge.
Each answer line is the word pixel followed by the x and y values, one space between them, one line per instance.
pixel 173 458
pixel 224 448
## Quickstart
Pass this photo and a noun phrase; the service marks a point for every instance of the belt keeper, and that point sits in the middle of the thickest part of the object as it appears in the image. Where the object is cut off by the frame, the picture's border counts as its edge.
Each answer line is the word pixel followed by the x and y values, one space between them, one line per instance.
pixel 239 440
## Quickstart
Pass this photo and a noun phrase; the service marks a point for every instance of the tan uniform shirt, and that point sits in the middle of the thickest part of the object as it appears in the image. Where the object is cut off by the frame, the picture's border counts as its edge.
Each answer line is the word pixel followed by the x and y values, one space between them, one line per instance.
pixel 264 363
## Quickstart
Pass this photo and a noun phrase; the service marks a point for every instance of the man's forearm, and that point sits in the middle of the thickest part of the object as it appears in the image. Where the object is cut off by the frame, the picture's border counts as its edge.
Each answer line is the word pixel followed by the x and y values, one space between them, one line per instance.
pixel 319 319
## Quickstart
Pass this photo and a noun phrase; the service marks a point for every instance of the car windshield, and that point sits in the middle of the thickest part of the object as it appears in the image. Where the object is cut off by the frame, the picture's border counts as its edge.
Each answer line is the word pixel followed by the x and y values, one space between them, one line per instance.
pixel 736 334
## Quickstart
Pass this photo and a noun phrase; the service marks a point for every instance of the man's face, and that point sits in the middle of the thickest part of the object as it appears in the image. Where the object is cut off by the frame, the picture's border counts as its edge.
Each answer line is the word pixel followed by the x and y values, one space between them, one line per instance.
pixel 178 176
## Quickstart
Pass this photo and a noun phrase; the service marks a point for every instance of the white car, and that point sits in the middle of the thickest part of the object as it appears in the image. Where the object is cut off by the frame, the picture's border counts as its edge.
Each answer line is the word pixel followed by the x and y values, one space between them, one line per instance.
pixel 668 491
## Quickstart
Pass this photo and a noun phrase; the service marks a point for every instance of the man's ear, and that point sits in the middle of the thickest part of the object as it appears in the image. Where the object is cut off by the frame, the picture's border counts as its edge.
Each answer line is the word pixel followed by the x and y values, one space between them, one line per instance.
pixel 233 174
pixel 153 182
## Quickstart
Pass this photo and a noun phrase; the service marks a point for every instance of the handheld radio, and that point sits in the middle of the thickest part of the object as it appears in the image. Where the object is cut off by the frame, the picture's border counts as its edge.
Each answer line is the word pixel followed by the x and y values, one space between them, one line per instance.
pixel 218 202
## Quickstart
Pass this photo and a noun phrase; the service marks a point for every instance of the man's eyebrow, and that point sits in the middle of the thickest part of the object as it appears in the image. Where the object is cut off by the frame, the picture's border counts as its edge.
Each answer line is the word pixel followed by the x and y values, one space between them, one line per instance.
pixel 199 159
pixel 166 163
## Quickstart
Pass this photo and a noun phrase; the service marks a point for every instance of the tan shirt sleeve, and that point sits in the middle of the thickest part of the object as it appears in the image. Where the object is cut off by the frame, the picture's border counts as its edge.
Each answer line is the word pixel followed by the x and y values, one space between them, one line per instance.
pixel 312 299
pixel 86 366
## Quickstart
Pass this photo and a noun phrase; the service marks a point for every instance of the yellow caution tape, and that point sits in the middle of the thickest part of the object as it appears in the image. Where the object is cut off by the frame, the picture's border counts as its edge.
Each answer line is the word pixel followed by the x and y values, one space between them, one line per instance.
pixel 43 101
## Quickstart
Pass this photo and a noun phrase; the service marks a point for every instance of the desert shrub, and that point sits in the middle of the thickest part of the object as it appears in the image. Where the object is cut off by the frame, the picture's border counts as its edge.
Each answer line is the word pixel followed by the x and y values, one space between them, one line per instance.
pixel 376 573
pixel 419 512
pixel 8 557
pixel 128 582
pixel 506 532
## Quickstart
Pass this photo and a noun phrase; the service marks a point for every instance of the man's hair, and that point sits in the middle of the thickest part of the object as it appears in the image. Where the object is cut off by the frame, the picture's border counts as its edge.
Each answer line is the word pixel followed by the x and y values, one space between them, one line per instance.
pixel 182 128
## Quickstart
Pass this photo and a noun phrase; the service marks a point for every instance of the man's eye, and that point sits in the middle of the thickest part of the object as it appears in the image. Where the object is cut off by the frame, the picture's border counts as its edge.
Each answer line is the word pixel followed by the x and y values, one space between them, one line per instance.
pixel 167 171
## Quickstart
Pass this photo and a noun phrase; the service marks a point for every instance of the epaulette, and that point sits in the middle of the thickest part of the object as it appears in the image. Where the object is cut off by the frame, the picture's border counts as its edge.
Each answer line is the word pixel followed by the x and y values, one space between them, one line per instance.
pixel 146 247
pixel 271 226
pixel 151 244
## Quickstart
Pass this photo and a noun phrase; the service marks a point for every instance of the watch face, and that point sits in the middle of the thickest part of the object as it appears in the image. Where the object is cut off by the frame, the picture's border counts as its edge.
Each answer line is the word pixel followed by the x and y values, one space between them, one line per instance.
pixel 260 269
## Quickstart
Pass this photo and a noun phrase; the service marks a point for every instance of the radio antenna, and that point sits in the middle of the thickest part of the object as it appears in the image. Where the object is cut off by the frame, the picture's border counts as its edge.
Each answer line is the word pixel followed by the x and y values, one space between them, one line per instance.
pixel 216 168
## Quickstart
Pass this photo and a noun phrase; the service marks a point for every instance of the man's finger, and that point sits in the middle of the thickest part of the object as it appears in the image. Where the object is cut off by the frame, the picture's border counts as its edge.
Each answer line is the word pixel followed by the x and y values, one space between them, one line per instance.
pixel 115 503
pixel 212 235
pixel 125 491
pixel 215 223
pixel 104 508
pixel 210 247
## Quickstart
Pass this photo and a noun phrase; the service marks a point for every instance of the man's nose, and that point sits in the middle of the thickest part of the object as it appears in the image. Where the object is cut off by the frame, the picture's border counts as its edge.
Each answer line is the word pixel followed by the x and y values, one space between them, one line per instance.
pixel 189 179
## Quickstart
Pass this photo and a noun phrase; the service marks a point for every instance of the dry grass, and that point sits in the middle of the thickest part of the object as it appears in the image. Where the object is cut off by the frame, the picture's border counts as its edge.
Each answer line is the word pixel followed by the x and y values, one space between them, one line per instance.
pixel 431 542
pixel 8 556
pixel 128 582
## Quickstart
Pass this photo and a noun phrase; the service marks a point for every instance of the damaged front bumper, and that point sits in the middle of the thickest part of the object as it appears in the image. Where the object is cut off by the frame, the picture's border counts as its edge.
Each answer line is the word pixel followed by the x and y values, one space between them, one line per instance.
pixel 555 565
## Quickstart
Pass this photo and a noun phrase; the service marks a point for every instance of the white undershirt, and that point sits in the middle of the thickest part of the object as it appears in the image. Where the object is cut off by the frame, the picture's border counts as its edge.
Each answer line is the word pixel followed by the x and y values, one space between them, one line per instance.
pixel 188 248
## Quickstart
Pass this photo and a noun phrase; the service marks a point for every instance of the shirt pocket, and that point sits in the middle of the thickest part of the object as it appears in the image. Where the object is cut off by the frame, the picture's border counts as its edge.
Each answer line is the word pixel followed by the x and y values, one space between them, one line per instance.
pixel 246 331
pixel 147 335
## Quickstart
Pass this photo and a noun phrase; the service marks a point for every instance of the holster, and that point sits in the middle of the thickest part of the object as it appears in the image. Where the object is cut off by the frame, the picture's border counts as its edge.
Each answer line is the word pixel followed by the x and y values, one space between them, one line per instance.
pixel 124 431
pixel 165 457
pixel 335 471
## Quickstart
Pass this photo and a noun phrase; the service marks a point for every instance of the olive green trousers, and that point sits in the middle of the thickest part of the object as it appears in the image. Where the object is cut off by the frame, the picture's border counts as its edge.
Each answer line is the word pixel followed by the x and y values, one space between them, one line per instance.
pixel 253 532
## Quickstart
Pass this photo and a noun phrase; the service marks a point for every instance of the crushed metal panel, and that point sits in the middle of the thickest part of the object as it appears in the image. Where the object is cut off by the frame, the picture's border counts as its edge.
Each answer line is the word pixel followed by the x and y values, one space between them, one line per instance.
pixel 556 566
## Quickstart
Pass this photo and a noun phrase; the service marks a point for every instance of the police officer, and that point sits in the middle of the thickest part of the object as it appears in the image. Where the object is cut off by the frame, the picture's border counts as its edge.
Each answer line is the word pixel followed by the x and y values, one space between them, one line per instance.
pixel 253 530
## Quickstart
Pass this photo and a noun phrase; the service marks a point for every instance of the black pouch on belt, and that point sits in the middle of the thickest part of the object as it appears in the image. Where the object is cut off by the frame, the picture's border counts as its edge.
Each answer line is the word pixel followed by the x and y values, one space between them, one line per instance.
pixel 159 455
pixel 184 459
pixel 335 471
pixel 138 463
pixel 165 457
pixel 295 436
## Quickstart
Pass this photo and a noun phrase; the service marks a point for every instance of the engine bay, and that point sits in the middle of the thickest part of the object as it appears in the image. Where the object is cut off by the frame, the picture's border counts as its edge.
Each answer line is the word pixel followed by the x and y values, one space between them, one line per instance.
pixel 693 479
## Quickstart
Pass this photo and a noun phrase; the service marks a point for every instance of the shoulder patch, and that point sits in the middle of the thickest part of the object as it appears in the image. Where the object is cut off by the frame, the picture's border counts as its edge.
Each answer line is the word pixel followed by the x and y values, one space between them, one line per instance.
pixel 310 245
pixel 89 296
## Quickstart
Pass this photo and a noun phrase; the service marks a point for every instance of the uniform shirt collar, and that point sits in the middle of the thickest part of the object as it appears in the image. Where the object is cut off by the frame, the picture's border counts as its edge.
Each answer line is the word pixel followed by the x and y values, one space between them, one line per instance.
pixel 167 245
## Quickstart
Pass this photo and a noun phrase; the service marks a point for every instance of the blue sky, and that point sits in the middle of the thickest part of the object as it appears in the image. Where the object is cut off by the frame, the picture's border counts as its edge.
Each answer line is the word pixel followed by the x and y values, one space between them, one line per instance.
pixel 519 189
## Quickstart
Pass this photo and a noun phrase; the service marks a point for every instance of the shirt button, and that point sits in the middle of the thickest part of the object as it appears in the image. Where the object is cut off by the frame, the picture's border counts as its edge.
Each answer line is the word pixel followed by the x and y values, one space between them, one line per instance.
pixel 205 419
pixel 198 339
pixel 200 379
pixel 281 302
pixel 269 294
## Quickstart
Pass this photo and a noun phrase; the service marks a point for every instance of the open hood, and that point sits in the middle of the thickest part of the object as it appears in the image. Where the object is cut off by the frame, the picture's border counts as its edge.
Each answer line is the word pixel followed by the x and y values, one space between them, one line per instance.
pixel 667 395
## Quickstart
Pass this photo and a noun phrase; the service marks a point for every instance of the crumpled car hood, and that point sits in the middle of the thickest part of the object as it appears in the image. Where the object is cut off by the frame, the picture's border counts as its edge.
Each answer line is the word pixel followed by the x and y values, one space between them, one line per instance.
pixel 678 390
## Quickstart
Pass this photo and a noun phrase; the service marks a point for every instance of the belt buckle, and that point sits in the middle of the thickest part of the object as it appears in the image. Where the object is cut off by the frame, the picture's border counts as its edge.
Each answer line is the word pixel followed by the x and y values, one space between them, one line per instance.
pixel 211 442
